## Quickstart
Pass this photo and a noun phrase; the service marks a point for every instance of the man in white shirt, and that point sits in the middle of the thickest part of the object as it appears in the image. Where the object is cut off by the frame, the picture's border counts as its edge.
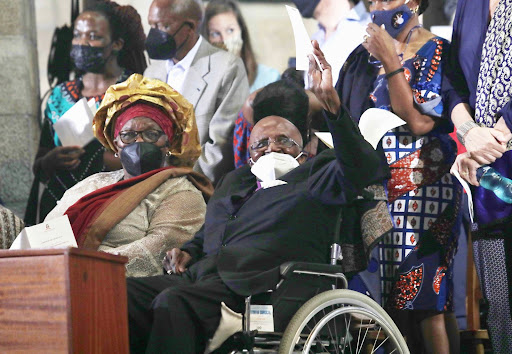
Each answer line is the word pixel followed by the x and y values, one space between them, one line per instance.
pixel 342 25
pixel 213 80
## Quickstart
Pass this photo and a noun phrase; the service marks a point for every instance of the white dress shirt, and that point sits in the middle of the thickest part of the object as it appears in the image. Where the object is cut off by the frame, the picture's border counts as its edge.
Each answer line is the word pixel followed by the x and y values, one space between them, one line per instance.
pixel 176 73
pixel 349 34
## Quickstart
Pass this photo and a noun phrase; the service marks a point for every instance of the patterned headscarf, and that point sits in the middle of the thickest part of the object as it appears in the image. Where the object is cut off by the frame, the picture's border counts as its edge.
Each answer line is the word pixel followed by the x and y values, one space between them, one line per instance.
pixel 184 146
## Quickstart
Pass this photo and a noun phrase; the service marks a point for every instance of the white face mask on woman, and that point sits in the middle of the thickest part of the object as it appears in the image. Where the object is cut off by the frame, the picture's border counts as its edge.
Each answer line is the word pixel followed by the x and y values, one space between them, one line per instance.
pixel 272 166
pixel 234 44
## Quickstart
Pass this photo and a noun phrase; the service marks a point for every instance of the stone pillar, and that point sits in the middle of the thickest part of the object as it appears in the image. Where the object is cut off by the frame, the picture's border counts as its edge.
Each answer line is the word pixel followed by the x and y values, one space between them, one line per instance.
pixel 19 101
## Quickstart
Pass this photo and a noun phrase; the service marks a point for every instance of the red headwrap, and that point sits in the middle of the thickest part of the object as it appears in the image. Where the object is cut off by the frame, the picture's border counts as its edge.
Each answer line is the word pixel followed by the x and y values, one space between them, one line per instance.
pixel 141 109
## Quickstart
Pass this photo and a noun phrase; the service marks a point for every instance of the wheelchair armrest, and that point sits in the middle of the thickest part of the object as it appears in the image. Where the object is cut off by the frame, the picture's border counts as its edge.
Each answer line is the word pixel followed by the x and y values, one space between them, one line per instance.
pixel 289 268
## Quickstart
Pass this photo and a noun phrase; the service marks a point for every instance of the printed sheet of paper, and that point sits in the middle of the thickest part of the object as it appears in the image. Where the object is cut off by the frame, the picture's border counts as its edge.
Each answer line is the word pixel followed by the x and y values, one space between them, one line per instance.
pixel 303 45
pixel 56 233
pixel 262 318
pixel 75 126
pixel 375 122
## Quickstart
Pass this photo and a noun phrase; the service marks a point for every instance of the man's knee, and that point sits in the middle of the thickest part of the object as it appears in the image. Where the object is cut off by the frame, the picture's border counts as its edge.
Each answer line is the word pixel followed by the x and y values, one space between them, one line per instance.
pixel 171 297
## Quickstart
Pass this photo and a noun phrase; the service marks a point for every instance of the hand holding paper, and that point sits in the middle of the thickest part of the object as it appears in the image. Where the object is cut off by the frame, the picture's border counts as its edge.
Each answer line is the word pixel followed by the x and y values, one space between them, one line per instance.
pixel 75 126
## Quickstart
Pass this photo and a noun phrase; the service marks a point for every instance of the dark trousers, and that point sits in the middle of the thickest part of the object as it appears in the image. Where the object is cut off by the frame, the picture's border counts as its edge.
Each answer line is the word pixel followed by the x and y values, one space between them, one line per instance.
pixel 176 314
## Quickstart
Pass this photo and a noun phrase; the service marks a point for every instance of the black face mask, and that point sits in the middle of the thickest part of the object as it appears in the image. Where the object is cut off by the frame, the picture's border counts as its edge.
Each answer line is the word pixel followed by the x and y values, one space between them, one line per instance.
pixel 306 7
pixel 162 45
pixel 88 59
pixel 142 157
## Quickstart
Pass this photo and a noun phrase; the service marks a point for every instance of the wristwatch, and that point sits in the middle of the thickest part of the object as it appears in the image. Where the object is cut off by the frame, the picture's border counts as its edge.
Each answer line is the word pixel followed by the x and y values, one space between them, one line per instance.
pixel 464 128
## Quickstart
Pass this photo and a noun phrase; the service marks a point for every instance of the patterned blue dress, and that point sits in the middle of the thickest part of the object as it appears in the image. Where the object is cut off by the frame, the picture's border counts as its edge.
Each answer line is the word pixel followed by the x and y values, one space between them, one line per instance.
pixel 415 259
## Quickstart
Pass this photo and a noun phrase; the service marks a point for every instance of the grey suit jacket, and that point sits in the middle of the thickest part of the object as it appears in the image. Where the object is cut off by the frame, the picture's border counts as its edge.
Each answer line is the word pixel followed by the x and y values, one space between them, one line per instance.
pixel 216 85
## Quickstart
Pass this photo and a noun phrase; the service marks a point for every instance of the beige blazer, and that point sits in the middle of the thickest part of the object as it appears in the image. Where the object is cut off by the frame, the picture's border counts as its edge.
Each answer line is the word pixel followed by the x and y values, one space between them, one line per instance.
pixel 217 86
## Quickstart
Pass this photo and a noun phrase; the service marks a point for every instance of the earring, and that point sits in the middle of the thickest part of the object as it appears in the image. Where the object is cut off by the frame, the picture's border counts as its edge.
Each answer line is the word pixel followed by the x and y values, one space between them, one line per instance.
pixel 168 153
pixel 415 10
pixel 116 155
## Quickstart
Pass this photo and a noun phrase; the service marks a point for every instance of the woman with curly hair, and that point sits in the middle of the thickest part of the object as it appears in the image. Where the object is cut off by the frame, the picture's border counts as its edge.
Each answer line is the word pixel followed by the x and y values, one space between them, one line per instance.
pixel 107 46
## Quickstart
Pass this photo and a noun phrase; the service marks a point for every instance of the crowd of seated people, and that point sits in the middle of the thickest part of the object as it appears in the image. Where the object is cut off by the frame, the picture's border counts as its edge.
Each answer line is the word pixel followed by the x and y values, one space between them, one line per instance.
pixel 207 166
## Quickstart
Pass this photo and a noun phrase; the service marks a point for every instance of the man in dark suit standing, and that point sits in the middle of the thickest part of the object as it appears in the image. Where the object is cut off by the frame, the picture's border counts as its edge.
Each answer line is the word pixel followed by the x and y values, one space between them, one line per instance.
pixel 282 208
pixel 213 80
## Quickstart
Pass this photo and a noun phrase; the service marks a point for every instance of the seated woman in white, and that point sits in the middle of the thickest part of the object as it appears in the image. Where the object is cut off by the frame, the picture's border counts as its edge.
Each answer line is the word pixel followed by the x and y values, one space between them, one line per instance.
pixel 156 202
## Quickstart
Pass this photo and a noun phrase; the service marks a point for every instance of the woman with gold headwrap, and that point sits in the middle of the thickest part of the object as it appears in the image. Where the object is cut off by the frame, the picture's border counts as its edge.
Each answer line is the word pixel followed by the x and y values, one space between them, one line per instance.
pixel 154 203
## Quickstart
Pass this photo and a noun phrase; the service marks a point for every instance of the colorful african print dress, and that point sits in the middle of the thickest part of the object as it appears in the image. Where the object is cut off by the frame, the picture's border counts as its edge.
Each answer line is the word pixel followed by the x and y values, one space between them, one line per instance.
pixel 62 98
pixel 415 260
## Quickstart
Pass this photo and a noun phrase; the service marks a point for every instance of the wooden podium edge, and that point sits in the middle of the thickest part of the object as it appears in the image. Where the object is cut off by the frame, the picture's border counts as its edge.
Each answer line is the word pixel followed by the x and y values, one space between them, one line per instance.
pixel 70 251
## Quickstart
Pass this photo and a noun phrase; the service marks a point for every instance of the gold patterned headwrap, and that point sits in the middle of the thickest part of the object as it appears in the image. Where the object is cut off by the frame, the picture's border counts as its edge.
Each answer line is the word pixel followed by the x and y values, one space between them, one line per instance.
pixel 184 147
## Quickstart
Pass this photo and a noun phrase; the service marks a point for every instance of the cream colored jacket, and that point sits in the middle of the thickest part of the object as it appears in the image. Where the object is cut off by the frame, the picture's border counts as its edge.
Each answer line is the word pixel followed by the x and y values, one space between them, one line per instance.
pixel 166 218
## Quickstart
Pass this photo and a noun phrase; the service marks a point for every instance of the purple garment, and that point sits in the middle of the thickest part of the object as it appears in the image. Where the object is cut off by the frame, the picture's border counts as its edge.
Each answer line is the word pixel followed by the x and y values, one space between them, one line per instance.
pixel 460 85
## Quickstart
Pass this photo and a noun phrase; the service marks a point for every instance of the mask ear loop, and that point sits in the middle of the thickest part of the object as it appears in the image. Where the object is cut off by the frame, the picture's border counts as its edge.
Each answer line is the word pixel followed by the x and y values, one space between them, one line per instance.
pixel 302 153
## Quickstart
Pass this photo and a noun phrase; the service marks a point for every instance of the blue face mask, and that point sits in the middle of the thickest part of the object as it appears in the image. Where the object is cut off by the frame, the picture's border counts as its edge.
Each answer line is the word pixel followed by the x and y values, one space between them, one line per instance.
pixel 394 20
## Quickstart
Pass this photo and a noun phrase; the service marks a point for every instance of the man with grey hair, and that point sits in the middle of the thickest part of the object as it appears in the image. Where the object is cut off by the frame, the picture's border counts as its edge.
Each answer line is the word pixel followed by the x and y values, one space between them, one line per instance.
pixel 213 80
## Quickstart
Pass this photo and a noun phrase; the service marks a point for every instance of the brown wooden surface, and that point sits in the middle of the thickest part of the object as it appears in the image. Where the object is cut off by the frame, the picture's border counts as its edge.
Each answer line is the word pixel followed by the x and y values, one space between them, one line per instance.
pixel 62 301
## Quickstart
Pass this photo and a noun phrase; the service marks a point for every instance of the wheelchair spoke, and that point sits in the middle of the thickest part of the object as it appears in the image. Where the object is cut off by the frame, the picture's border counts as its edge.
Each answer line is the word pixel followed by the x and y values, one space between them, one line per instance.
pixel 347 332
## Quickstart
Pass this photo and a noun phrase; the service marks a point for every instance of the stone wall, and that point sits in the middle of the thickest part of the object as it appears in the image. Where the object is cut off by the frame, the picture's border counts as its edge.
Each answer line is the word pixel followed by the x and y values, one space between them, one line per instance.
pixel 19 100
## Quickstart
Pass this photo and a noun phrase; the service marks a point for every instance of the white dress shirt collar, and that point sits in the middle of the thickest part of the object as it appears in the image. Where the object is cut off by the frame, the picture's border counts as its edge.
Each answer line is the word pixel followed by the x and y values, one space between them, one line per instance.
pixel 176 72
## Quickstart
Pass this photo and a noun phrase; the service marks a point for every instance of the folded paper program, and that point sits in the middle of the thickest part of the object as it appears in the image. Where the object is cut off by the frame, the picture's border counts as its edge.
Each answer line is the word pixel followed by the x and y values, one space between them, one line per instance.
pixel 56 233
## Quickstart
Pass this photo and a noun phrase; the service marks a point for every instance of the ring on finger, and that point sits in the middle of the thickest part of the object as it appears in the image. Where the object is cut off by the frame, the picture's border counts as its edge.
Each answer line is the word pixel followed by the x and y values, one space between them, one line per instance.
pixel 169 271
pixel 465 173
pixel 365 38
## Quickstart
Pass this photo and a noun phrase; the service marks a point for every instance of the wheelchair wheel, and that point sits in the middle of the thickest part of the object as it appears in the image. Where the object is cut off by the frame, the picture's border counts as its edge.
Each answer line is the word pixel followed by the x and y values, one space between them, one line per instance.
pixel 342 321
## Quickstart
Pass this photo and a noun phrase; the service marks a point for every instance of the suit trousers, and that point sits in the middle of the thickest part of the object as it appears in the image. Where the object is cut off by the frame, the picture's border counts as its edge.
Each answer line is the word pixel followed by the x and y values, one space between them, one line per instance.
pixel 176 314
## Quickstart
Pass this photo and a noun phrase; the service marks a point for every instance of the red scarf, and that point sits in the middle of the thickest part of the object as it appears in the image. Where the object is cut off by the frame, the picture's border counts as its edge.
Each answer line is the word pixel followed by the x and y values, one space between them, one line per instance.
pixel 94 215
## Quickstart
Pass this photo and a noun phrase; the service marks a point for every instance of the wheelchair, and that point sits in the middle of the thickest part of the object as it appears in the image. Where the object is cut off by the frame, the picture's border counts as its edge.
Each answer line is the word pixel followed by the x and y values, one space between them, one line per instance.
pixel 333 320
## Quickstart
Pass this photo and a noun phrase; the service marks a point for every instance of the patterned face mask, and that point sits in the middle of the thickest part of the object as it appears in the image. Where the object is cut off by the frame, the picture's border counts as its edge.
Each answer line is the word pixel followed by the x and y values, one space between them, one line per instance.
pixel 88 59
pixel 394 20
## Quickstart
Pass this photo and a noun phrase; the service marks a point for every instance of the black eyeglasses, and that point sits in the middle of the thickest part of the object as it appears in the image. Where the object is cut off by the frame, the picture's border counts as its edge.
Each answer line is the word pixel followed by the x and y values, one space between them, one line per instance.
pixel 282 142
pixel 149 136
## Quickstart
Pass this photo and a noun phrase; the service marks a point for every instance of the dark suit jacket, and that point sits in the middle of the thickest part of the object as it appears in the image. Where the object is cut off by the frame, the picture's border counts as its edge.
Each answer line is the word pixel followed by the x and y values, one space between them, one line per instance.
pixel 248 234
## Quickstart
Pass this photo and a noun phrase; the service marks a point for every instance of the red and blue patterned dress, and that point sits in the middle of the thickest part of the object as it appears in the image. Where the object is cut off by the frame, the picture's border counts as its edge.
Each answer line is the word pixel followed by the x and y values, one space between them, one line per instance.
pixel 415 259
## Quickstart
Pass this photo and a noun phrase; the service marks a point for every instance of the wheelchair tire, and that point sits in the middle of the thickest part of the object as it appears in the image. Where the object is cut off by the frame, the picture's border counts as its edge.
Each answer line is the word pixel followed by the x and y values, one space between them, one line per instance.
pixel 362 322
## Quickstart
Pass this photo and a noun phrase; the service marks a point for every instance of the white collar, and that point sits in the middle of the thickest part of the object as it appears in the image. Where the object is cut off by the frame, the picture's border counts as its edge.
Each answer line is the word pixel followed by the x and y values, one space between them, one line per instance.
pixel 357 12
pixel 186 62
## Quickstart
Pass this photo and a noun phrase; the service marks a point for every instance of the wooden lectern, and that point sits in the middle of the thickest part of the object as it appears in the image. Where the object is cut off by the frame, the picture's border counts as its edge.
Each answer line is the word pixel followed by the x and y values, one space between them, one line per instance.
pixel 62 301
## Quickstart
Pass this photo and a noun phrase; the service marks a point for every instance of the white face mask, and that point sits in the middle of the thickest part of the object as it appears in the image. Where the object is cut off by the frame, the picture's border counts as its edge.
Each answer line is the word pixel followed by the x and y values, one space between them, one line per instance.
pixel 234 44
pixel 272 166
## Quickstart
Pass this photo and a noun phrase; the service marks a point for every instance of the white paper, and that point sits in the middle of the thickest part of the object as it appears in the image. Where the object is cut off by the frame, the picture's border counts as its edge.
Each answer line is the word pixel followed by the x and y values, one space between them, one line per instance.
pixel 93 106
pixel 326 138
pixel 466 187
pixel 375 122
pixel 303 46
pixel 56 233
pixel 262 318
pixel 75 126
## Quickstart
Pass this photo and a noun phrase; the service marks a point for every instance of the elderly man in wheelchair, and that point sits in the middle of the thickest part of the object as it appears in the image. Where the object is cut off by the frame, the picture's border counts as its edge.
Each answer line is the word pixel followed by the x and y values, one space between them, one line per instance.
pixel 281 208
